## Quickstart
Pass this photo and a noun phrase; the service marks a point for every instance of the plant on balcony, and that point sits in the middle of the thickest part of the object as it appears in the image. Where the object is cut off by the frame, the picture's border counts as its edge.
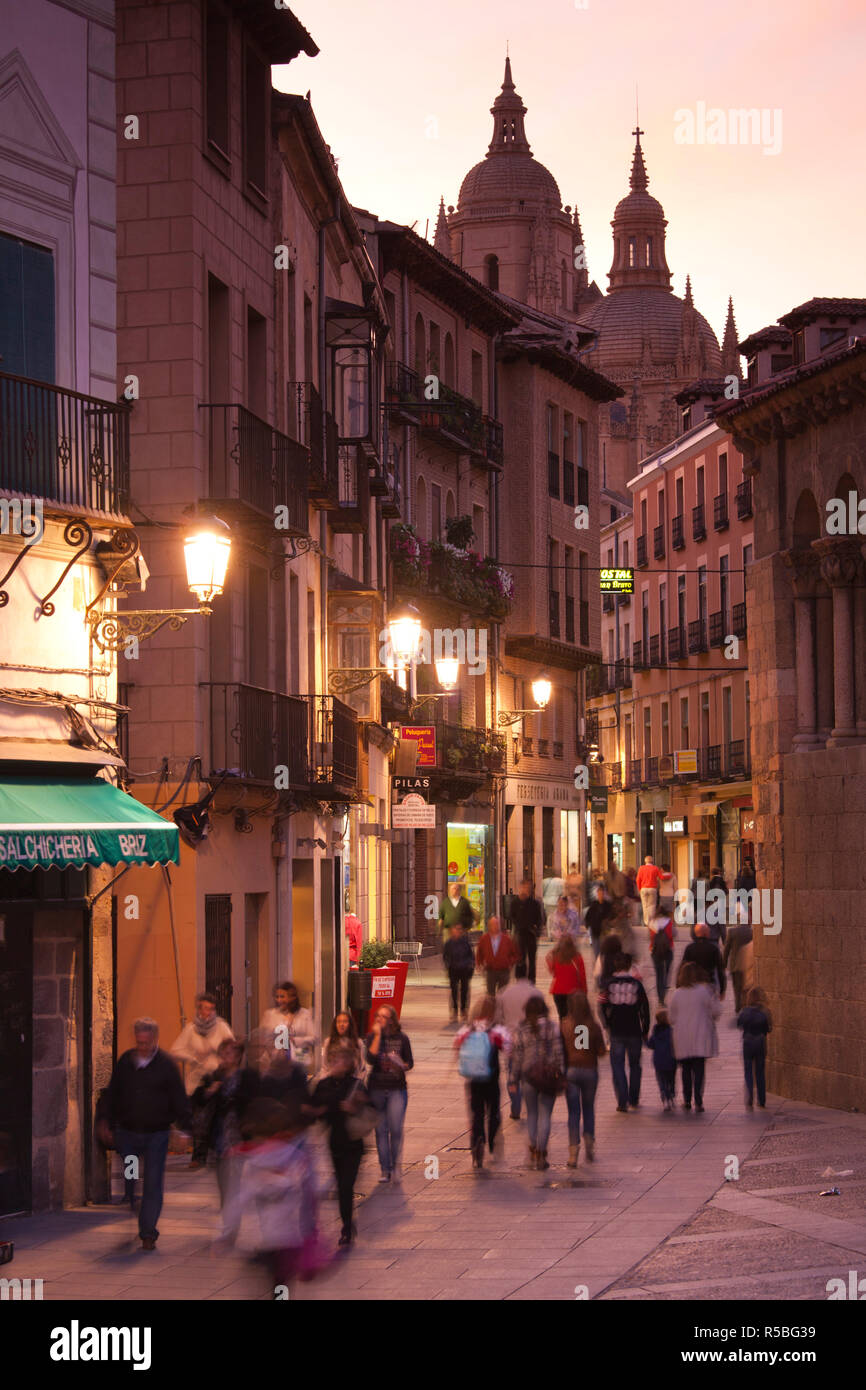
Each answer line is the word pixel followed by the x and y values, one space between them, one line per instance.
pixel 476 582
pixel 459 532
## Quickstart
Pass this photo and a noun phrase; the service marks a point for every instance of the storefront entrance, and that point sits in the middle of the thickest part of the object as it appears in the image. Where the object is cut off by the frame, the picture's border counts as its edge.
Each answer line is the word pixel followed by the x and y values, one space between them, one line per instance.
pixel 469 851
pixel 16 1056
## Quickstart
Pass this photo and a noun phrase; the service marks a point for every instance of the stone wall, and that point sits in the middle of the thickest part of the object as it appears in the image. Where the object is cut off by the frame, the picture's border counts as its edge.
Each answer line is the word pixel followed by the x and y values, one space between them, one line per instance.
pixel 814 970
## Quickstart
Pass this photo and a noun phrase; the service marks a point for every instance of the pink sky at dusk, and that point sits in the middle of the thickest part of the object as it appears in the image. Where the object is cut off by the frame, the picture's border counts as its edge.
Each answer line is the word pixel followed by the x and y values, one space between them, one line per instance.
pixel 402 90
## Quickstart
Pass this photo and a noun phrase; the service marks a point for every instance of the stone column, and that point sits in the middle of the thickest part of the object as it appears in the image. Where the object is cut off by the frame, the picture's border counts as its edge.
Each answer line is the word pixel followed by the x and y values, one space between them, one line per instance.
pixel 804 567
pixel 840 568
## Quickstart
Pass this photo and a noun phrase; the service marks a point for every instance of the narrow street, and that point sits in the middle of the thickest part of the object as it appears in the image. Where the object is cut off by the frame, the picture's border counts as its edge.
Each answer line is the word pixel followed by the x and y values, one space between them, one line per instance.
pixel 652 1218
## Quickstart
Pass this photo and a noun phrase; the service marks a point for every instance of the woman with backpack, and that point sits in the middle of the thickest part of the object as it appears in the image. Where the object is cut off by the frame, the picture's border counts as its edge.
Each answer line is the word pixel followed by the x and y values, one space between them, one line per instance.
pixel 538 1066
pixel 389 1053
pixel 478 1045
pixel 661 931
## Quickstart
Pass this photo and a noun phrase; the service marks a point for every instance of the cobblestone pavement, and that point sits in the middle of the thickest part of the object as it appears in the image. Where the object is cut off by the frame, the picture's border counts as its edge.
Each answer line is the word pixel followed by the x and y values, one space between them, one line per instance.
pixel 653 1218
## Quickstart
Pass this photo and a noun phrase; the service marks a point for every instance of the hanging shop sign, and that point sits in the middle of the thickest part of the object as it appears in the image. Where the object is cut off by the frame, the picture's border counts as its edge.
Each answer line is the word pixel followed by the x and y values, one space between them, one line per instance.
pixel 616 581
pixel 413 813
pixel 424 736
pixel 598 800
pixel 679 825
pixel 685 761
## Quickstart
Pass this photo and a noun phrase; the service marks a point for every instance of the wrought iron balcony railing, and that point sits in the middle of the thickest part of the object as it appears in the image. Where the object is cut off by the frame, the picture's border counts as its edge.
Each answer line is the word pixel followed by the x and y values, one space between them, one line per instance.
pixel 63 447
pixel 737 762
pixel 717 630
pixel 699 525
pixel 678 540
pixel 253 732
pixel 641 552
pixel 659 543
pixel 634 769
pixel 463 750
pixel 738 614
pixel 454 419
pixel 744 499
pixel 710 761
pixel 255 466
pixel 607 603
pixel 697 636
pixel 651 773
pixel 676 644
pixel 622 675
pixel 720 512
pixel 315 428
pixel 639 658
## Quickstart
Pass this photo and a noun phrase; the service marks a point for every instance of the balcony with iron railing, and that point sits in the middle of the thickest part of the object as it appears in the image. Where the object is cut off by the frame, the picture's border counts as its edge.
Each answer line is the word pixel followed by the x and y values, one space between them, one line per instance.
pixel 622 673
pixel 699 525
pixel 599 680
pixel 62 447
pixel 315 428
pixel 465 751
pixel 634 771
pixel 676 644
pixel 334 747
pixel 710 761
pixel 641 552
pixel 737 760
pixel 717 630
pixel 678 540
pixel 639 658
pixel 659 543
pixel 651 771
pixel 252 732
pixel 353 490
pixel 607 603
pixel 744 499
pixel 697 636
pixel 451 418
pixel 254 469
pixel 591 727
pixel 622 600
pixel 720 512
pixel 738 624
pixel 656 652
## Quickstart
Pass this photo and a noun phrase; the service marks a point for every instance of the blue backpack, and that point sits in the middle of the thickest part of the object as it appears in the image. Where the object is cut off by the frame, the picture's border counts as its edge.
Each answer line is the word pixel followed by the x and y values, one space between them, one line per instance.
pixel 475 1060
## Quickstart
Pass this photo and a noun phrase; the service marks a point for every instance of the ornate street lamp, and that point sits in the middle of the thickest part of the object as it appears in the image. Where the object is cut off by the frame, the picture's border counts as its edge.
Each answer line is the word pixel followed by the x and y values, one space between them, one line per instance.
pixel 542 689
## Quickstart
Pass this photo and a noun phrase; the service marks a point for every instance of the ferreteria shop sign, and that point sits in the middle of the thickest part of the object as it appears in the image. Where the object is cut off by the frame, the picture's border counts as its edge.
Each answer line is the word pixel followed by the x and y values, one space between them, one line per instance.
pixel 616 581
pixel 543 793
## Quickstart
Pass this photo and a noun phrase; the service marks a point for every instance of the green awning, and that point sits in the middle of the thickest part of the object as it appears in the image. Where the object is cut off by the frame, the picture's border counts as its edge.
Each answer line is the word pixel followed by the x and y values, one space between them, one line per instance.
pixel 65 823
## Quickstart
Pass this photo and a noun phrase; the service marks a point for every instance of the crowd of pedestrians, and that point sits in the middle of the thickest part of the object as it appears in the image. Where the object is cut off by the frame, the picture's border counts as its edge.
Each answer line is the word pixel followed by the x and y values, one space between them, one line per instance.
pixel 250 1103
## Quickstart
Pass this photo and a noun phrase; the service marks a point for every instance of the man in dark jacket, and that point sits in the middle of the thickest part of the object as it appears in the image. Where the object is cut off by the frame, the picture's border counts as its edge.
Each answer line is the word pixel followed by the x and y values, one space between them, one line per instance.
pixel 144 1097
pixel 527 919
pixel 625 1009
pixel 706 954
pixel 459 960
pixel 598 913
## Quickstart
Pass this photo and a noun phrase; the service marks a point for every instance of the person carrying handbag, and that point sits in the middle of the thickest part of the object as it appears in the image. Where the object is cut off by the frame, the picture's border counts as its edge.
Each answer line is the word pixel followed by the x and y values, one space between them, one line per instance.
pixel 341 1100
pixel 538 1066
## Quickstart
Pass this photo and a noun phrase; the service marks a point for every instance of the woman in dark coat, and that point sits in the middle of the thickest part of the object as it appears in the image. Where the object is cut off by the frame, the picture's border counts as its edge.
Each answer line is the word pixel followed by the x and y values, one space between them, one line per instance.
pixel 335 1098
pixel 219 1103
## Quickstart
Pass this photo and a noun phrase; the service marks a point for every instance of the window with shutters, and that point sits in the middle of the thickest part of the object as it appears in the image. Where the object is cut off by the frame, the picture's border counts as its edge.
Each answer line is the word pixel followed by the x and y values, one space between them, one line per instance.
pixel 26 309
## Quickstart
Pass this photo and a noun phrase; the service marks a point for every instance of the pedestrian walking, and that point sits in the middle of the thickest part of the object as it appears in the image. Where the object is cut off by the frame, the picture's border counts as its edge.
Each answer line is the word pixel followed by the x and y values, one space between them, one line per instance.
pixel 704 953
pixel 615 882
pixel 574 888
pixel 197 1046
pixel 756 1023
pixel 344 1034
pixel 511 1010
pixel 527 918
pixel 747 878
pixel 278 1193
pixel 693 1011
pixel 223 1096
pixel 611 947
pixel 538 1065
pixel 552 889
pixel 667 891
pixel 662 951
pixel 661 1042
pixel 354 935
pixel 339 1098
pixel 564 921
pixel 597 917
pixel 737 956
pixel 648 882
pixel 567 969
pixel 584 1044
pixel 292 1025
pixel 455 907
pixel 479 1045
pixel 389 1053
pixel 459 960
pixel 717 908
pixel 144 1097
pixel 495 955
pixel 280 1078
pixel 625 1009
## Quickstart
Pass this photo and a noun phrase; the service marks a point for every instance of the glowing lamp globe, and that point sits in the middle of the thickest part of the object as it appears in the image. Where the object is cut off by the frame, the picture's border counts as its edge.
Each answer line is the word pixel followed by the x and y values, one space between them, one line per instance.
pixel 206 551
pixel 541 691
pixel 447 671
pixel 404 629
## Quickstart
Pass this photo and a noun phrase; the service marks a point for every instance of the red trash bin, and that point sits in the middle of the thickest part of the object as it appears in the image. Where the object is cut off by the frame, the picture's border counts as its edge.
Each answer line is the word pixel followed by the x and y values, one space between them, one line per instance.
pixel 389 984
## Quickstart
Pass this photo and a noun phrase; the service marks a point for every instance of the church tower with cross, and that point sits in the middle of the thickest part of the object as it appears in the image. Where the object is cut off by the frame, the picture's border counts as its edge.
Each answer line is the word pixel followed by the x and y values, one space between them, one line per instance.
pixel 511 232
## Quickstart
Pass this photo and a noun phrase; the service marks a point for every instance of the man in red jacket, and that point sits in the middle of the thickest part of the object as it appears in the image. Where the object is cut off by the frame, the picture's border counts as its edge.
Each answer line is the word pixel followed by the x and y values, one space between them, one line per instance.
pixel 495 954
pixel 647 882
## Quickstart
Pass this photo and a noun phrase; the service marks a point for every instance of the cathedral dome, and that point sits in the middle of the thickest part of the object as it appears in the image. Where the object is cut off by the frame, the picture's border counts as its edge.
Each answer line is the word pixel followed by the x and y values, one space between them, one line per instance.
pixel 649 325
pixel 509 173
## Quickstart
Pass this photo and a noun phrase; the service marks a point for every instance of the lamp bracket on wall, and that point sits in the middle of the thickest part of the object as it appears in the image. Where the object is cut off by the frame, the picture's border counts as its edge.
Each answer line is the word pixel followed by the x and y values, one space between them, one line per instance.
pixel 507 717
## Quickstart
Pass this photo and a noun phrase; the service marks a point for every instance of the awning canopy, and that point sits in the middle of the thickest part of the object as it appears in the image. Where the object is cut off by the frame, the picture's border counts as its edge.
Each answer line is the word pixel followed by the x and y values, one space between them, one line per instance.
pixel 69 822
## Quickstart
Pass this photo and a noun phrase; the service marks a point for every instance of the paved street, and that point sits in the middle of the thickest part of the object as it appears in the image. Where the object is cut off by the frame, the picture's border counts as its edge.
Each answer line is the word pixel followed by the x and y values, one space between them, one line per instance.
pixel 652 1218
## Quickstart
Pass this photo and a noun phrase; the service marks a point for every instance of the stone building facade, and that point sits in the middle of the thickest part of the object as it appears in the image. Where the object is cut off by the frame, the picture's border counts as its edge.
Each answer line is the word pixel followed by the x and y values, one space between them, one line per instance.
pixel 801 427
